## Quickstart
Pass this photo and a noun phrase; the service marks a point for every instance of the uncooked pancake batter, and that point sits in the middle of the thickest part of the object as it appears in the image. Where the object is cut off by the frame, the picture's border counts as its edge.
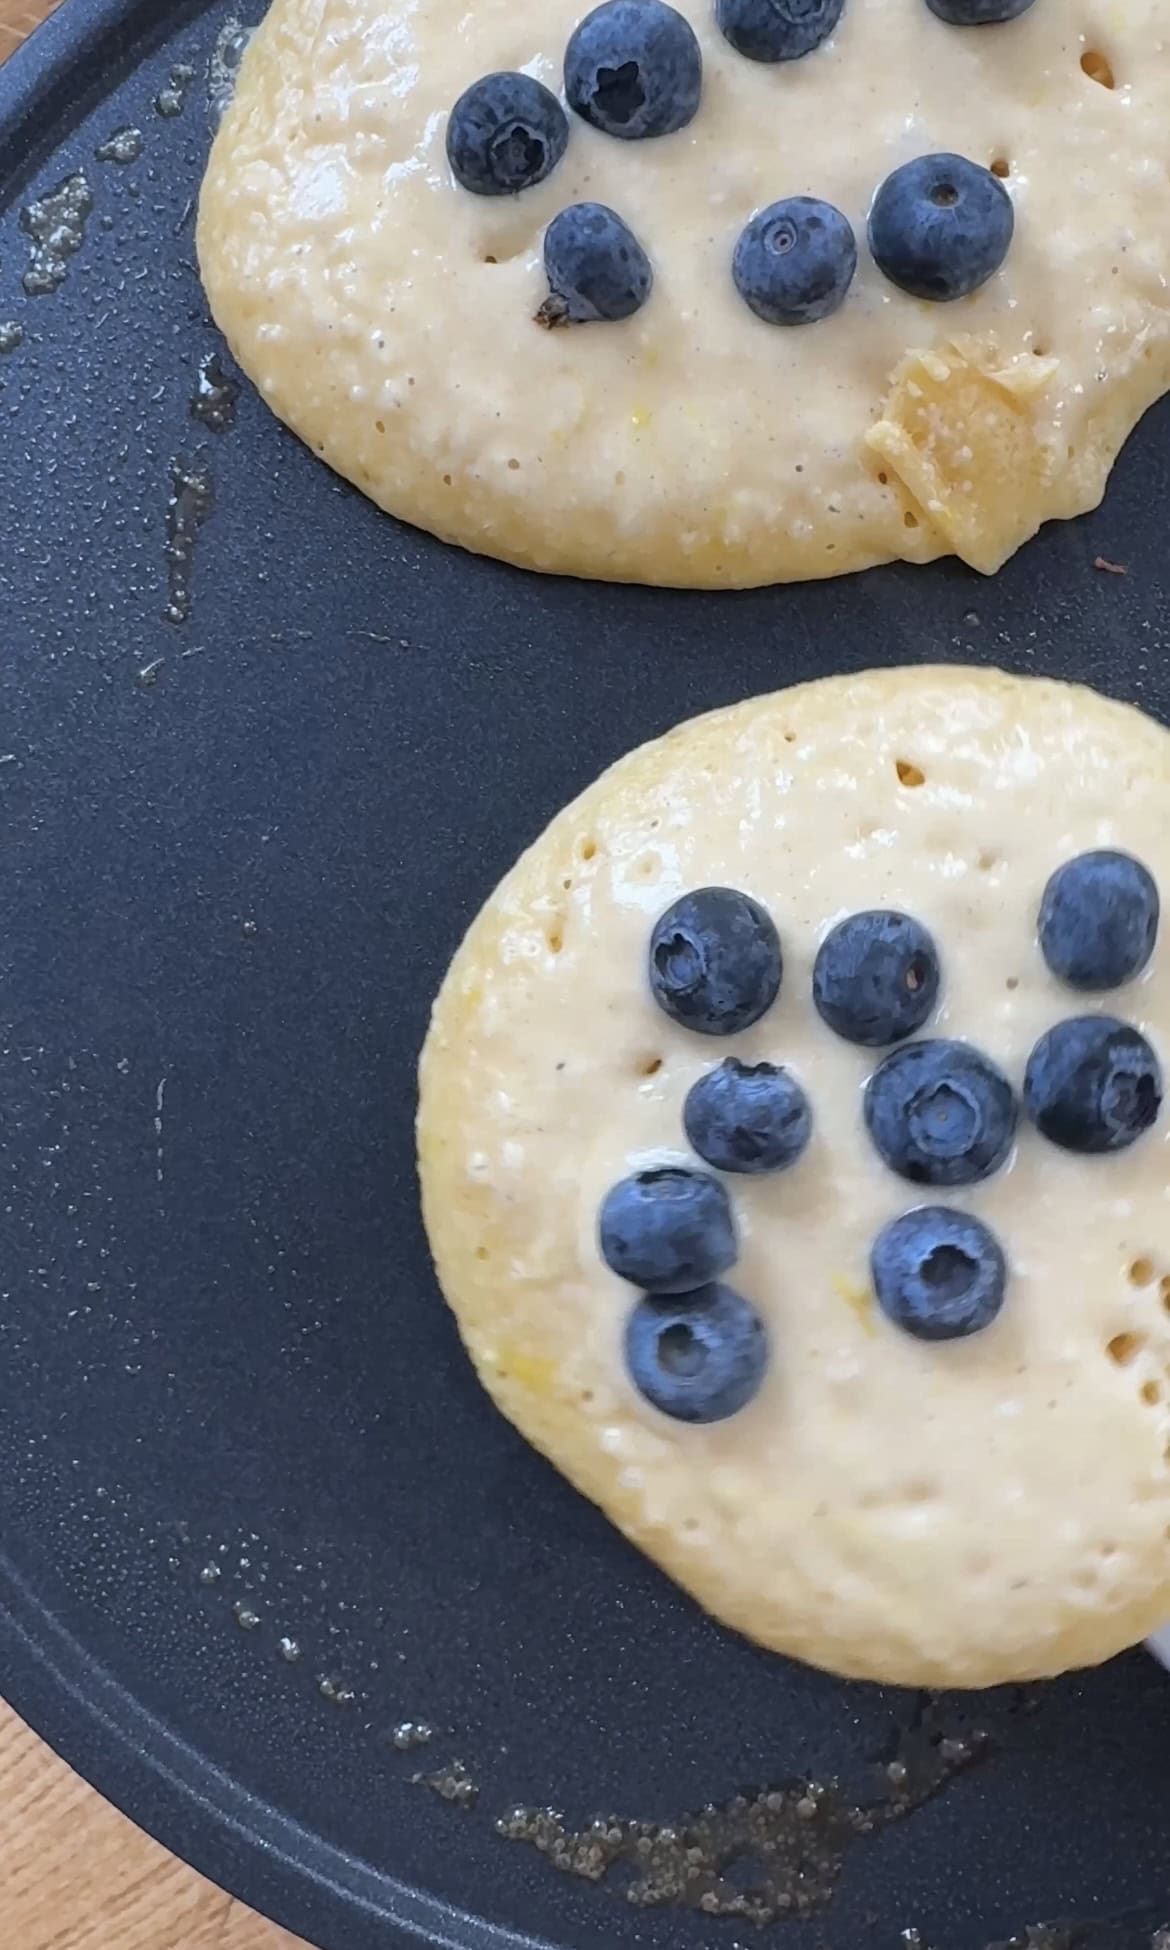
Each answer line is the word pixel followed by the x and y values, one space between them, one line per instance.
pixel 961 1511
pixel 386 313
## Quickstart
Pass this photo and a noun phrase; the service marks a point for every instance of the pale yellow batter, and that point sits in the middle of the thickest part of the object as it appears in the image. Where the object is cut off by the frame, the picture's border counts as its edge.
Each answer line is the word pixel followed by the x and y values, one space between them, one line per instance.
pixel 952 1514
pixel 386 314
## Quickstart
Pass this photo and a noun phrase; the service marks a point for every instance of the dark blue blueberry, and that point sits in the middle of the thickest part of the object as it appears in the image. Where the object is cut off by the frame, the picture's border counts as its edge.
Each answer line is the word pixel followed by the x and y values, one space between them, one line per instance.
pixel 939 1274
pixel 1099 920
pixel 940 1113
pixel 667 1230
pixel 876 977
pixel 747 1117
pixel 633 68
pixel 978 13
pixel 699 1358
pixel 777 30
pixel 940 227
pixel 794 262
pixel 506 133
pixel 596 268
pixel 715 961
pixel 1093 1084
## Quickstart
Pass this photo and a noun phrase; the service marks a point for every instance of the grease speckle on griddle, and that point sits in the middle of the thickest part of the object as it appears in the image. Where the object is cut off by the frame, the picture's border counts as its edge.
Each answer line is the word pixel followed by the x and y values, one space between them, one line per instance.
pixel 224 65
pixel 172 100
pixel 123 147
pixel 56 224
pixel 761 1857
pixel 410 1734
pixel 289 1650
pixel 192 500
pixel 337 1691
pixel 246 1618
pixel 210 1574
pixel 216 395
pixel 452 1783
pixel 11 336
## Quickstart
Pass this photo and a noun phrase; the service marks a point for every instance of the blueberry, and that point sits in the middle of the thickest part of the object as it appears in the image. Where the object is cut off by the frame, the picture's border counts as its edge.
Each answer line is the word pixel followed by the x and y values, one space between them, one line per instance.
pixel 978 13
pixel 699 1358
pixel 1093 1084
pixel 939 1274
pixel 876 976
pixel 715 961
pixel 596 268
pixel 1099 920
pixel 506 133
pixel 633 68
pixel 940 1113
pixel 667 1230
pixel 794 261
pixel 777 30
pixel 940 227
pixel 747 1118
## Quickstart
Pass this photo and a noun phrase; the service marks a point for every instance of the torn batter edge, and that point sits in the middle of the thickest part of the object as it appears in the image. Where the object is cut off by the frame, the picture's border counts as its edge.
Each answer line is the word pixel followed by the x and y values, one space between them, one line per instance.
pixel 957 432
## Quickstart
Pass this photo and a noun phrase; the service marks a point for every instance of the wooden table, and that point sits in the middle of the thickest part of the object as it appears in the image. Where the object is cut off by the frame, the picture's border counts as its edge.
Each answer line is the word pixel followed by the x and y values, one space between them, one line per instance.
pixel 73 1874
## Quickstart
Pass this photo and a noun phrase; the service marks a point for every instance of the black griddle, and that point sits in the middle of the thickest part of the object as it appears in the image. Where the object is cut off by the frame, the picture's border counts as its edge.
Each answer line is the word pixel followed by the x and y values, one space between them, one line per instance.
pixel 255 1512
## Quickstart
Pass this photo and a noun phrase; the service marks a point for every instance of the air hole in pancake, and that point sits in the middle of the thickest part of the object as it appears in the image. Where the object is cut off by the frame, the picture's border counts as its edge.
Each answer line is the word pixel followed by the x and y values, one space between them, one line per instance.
pixel 1098 67
pixel 506 240
pixel 380 426
pixel 1142 1272
pixel 648 866
pixel 649 1066
pixel 1151 1393
pixel 884 478
pixel 588 849
pixel 481 1252
pixel 909 774
pixel 1166 1293
pixel 446 480
pixel 1001 167
pixel 909 520
pixel 555 939
pixel 1013 982
pixel 987 861
pixel 514 465
pixel 1124 1349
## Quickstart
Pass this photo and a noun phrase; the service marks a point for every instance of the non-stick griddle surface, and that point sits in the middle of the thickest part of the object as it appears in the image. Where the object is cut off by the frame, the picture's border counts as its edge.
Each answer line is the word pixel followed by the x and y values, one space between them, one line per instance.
pixel 235 854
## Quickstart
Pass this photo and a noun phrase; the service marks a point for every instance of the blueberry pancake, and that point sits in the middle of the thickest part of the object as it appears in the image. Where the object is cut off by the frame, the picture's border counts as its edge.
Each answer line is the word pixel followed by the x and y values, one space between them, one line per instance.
pixel 717 294
pixel 795 1161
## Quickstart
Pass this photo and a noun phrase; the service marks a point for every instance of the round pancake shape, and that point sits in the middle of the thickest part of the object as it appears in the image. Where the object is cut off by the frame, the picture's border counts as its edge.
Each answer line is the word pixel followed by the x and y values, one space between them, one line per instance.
pixel 943 1513
pixel 389 315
